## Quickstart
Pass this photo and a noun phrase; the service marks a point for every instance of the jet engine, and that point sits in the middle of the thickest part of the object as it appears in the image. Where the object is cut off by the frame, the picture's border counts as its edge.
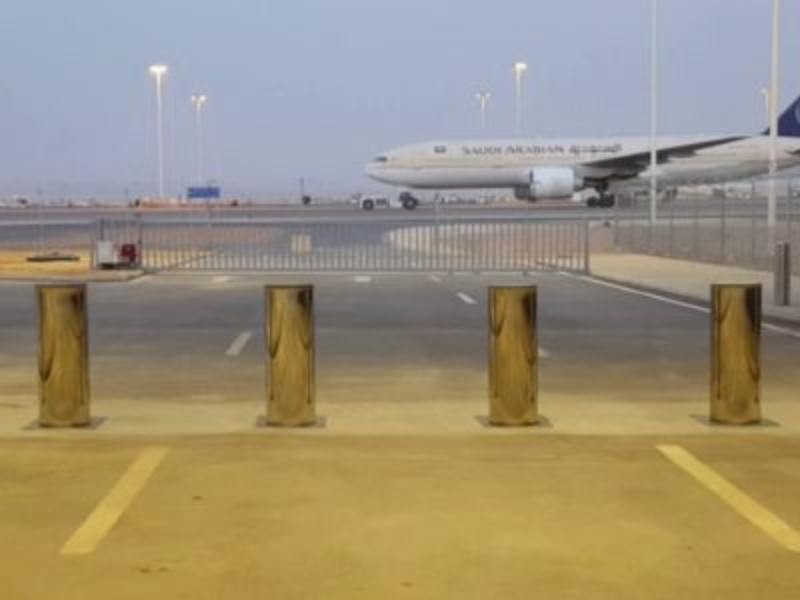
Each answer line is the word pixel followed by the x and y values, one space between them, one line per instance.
pixel 549 182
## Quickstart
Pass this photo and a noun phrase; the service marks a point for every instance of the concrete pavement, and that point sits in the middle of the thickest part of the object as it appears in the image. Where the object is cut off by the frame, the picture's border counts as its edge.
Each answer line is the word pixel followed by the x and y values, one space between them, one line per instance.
pixel 407 517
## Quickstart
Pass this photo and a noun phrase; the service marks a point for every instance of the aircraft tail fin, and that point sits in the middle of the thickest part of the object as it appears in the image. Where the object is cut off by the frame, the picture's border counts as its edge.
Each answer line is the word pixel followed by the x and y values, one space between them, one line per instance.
pixel 789 121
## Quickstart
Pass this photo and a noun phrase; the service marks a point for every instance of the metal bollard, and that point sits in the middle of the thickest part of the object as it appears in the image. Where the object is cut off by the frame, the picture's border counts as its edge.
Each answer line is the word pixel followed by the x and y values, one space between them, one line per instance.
pixel 736 354
pixel 63 356
pixel 289 333
pixel 783 274
pixel 513 356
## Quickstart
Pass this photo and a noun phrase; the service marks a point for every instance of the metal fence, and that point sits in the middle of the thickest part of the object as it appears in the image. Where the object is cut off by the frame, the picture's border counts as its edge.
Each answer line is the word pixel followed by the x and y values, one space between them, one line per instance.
pixel 40 237
pixel 355 245
pixel 728 231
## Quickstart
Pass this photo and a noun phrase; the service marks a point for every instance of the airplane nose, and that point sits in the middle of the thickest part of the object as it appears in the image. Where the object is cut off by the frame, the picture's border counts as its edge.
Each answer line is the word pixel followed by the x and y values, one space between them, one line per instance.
pixel 372 169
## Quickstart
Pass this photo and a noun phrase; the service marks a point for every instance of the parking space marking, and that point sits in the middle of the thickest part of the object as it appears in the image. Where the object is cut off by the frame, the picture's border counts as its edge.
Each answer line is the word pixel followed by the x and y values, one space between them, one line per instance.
pixel 103 518
pixel 362 279
pixel 768 522
pixel 466 299
pixel 239 343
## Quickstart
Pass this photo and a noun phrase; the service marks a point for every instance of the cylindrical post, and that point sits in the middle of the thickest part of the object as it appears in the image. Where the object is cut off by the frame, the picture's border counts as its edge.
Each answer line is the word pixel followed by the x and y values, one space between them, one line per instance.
pixel 736 354
pixel 513 356
pixel 290 356
pixel 63 356
pixel 783 274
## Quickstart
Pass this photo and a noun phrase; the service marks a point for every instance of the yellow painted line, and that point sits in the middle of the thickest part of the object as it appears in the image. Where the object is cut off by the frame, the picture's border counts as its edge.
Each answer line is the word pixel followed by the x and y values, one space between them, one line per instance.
pixel 768 522
pixel 107 513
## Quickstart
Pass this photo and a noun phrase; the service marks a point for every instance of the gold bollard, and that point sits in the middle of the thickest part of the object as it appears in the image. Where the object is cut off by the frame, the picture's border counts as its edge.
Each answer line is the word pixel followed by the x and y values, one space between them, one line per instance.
pixel 513 356
pixel 63 356
pixel 735 354
pixel 289 334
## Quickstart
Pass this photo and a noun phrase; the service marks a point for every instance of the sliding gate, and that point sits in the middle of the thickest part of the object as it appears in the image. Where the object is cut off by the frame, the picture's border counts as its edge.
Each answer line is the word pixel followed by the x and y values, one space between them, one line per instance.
pixel 355 245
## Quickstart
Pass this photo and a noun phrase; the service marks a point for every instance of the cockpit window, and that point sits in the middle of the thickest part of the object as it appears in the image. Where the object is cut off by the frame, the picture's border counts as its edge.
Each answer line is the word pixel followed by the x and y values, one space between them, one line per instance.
pixel 381 159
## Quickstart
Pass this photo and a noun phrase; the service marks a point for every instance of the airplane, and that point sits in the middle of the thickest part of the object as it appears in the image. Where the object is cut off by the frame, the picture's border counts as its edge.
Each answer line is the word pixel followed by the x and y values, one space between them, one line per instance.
pixel 558 168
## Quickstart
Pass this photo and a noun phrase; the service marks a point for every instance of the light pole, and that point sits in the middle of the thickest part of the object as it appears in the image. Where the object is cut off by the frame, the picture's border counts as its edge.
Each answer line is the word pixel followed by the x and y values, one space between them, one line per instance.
pixel 519 71
pixel 483 99
pixel 199 102
pixel 158 71
pixel 765 95
pixel 772 204
pixel 653 112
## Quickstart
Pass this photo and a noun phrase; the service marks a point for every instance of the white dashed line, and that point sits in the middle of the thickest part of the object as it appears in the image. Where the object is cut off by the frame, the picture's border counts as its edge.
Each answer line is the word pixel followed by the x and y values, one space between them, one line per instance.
pixel 221 279
pixel 435 279
pixel 543 353
pixel 466 298
pixel 362 279
pixel 239 343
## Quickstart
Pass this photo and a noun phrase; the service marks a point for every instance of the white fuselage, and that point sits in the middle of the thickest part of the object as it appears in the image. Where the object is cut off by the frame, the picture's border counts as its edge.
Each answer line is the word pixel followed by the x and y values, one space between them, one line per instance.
pixel 509 163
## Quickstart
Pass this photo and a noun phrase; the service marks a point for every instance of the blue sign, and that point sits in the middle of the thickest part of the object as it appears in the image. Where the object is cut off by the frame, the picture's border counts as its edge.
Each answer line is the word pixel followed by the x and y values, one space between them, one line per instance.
pixel 203 193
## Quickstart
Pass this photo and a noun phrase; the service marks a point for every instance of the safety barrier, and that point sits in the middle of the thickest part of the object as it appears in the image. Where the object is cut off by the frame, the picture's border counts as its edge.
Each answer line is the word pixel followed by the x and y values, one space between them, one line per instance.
pixel 513 356
pixel 64 391
pixel 64 394
pixel 783 274
pixel 356 245
pixel 289 331
pixel 736 354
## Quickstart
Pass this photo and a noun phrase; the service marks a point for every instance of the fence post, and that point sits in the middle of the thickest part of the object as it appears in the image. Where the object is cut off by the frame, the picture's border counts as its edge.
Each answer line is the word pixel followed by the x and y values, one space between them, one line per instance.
pixel 723 226
pixel 783 274
pixel 64 394
pixel 513 356
pixel 289 333
pixel 140 240
pixel 735 354
pixel 587 247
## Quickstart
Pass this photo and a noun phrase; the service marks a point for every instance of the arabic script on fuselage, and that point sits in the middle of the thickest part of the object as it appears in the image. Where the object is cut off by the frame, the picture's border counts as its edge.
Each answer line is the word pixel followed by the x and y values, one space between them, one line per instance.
pixel 541 150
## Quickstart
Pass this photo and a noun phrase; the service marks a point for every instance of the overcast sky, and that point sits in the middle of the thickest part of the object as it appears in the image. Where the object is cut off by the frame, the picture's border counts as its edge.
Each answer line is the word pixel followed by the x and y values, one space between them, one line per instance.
pixel 315 88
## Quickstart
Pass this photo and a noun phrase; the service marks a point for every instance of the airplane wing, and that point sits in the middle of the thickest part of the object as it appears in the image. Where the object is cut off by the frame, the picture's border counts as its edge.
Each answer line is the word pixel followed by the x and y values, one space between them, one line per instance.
pixel 633 164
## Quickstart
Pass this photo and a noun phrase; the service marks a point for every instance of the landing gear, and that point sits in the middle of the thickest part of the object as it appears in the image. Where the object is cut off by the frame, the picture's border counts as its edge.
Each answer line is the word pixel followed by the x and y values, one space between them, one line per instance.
pixel 408 201
pixel 602 201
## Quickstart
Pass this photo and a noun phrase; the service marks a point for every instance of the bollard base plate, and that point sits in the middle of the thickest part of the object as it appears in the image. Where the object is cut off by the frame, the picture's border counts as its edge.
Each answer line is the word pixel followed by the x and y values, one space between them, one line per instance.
pixel 93 424
pixel 542 422
pixel 709 422
pixel 263 423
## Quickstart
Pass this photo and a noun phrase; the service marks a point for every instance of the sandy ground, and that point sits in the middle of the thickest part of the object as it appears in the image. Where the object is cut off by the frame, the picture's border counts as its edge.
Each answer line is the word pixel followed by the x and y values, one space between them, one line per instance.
pixel 14 263
pixel 15 266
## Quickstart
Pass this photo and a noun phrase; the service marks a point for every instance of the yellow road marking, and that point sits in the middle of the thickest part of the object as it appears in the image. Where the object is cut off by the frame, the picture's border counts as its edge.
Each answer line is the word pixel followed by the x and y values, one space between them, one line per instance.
pixel 750 509
pixel 107 513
